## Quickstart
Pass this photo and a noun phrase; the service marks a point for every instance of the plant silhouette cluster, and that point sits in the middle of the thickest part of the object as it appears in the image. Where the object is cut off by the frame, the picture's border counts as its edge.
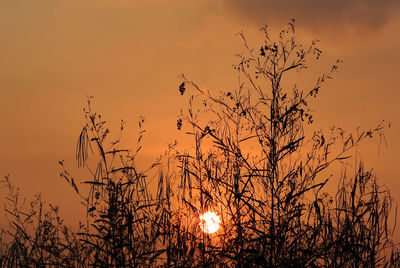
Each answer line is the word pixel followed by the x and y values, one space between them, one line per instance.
pixel 254 160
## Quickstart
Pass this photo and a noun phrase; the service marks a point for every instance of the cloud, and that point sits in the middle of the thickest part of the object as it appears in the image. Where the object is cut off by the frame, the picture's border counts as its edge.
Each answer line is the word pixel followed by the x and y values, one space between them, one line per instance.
pixel 317 14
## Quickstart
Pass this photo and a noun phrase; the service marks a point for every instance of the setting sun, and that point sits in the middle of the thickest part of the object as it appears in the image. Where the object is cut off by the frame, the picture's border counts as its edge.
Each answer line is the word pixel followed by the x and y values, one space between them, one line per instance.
pixel 209 222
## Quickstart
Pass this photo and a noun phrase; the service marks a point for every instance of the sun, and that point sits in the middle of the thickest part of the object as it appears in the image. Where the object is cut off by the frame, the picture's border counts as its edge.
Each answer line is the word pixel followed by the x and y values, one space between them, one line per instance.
pixel 209 222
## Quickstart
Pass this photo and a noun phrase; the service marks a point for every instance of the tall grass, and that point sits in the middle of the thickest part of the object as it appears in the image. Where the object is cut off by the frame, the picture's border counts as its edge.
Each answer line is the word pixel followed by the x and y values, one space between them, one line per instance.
pixel 36 235
pixel 251 162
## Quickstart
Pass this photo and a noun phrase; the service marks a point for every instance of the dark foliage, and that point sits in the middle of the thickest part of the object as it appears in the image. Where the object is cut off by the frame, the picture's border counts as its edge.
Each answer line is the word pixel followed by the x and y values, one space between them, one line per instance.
pixel 255 160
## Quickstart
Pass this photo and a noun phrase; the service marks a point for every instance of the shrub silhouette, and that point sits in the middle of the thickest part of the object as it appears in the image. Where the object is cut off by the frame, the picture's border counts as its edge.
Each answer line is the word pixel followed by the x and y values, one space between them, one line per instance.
pixel 37 235
pixel 252 161
pixel 123 221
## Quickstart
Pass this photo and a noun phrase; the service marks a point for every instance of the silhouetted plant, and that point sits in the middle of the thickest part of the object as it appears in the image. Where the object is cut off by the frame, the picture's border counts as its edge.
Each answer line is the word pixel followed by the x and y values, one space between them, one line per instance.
pixel 36 235
pixel 253 163
pixel 122 221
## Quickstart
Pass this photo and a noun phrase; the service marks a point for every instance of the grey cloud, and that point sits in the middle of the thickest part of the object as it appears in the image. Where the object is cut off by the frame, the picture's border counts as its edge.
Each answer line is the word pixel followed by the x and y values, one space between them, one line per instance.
pixel 317 13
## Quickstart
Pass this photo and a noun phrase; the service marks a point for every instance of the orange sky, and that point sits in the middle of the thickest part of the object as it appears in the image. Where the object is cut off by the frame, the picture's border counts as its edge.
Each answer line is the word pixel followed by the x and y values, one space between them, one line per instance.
pixel 128 53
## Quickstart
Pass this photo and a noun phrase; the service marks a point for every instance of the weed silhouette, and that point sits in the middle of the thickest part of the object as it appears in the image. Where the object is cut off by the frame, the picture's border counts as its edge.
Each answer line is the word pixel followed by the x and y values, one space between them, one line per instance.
pixel 252 162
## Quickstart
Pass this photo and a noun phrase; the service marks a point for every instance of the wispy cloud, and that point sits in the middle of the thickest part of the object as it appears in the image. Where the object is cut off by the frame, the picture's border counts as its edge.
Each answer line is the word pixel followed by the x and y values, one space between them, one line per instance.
pixel 316 14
